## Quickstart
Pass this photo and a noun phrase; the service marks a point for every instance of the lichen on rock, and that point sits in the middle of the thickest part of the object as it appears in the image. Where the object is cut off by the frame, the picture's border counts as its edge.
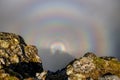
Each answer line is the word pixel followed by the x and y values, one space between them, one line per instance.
pixel 17 59
pixel 91 66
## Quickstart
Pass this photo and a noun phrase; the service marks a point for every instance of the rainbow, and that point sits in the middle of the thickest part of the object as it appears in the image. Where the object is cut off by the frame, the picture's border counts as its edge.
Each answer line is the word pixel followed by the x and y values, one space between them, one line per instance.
pixel 72 24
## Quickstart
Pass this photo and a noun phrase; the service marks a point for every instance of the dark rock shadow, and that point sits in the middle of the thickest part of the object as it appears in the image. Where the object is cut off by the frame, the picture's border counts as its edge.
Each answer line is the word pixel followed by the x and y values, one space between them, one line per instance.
pixel 58 75
pixel 56 61
pixel 23 69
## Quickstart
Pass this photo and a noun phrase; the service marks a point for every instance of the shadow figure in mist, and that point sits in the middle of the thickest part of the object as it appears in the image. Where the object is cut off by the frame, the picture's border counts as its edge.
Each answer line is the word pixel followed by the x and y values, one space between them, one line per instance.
pixel 54 61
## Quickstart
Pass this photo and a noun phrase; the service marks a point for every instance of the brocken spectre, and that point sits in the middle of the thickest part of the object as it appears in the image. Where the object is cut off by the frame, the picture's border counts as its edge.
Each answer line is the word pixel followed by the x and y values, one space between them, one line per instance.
pixel 57 46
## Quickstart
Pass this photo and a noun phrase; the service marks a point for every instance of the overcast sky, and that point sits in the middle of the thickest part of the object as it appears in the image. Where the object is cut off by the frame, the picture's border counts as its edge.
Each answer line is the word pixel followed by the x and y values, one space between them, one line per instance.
pixel 72 26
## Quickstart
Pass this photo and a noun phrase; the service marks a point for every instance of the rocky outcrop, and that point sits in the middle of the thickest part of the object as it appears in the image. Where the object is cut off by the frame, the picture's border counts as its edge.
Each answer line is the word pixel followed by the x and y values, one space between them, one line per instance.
pixel 19 61
pixel 91 67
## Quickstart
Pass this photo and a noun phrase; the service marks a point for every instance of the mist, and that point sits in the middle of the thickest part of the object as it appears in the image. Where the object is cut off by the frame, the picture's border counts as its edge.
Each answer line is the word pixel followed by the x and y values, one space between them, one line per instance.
pixel 79 25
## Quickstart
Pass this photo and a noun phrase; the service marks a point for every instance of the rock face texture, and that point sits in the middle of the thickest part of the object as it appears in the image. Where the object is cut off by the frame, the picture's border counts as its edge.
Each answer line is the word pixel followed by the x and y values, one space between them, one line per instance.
pixel 19 61
pixel 90 67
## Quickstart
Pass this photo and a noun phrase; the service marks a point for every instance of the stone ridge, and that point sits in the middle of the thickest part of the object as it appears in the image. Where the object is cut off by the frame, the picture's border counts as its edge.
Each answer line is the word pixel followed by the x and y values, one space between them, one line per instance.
pixel 19 61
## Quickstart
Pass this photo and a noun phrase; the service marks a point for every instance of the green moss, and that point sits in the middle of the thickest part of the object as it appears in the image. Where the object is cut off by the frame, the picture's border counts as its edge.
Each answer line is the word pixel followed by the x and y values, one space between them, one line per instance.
pixel 9 78
pixel 107 66
pixel 99 62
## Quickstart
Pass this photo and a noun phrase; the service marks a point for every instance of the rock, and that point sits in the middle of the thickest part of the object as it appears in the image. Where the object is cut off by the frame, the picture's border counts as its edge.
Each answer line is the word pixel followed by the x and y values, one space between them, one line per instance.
pixel 81 68
pixel 91 67
pixel 58 75
pixel 19 61
pixel 41 76
pixel 109 58
pixel 109 77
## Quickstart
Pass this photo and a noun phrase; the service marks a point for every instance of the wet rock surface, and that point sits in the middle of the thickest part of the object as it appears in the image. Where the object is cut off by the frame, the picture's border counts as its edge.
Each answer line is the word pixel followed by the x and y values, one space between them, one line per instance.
pixel 19 61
